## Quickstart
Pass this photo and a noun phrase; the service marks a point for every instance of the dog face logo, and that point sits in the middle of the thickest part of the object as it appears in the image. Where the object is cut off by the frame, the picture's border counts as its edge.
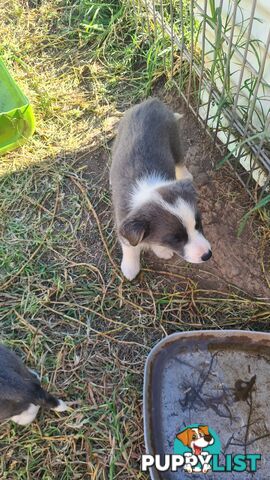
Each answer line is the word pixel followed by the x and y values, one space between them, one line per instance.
pixel 197 440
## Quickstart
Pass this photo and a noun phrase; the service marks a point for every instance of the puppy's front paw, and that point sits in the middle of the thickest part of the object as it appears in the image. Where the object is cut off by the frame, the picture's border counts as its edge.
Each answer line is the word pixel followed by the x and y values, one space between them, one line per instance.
pixel 163 252
pixel 130 270
pixel 206 468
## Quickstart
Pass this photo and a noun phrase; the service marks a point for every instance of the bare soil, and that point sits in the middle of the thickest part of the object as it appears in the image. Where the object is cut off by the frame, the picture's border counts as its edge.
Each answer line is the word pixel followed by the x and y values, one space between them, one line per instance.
pixel 237 260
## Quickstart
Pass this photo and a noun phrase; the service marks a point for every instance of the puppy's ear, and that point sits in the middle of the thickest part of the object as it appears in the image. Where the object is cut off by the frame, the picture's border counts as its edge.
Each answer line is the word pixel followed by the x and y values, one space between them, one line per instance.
pixel 184 437
pixel 134 230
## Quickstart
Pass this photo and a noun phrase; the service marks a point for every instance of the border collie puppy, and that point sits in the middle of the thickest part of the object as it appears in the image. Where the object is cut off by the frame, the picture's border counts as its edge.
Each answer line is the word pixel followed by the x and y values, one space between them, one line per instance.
pixel 153 196
pixel 21 394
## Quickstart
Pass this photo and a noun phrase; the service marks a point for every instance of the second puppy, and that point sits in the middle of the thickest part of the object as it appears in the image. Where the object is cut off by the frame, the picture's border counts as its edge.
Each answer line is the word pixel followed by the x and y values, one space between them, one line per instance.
pixel 153 196
pixel 21 394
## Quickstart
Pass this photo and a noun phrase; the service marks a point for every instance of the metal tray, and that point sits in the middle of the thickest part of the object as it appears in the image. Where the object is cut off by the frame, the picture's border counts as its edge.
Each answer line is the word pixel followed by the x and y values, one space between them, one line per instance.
pixel 218 379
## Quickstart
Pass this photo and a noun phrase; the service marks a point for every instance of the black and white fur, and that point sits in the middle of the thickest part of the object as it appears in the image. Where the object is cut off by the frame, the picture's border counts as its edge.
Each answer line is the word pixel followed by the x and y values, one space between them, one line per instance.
pixel 21 394
pixel 153 196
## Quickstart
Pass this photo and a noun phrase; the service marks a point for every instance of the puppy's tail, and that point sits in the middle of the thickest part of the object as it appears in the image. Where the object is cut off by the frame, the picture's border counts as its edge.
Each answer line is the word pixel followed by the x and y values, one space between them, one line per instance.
pixel 46 400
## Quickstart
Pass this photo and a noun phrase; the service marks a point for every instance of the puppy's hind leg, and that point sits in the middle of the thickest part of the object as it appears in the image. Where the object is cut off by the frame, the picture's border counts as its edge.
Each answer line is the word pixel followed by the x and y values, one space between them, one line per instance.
pixel 182 173
pixel 130 264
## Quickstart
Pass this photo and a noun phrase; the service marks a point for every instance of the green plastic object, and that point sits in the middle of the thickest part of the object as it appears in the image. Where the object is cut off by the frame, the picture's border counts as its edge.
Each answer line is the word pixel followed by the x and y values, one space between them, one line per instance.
pixel 17 121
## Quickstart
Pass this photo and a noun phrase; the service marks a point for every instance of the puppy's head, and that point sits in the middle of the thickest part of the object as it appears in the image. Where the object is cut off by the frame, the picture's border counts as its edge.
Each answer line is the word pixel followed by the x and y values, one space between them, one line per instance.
pixel 168 217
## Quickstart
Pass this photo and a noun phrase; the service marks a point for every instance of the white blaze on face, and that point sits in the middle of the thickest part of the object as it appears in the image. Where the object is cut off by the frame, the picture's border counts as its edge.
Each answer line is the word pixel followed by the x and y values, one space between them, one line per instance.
pixel 197 245
pixel 145 191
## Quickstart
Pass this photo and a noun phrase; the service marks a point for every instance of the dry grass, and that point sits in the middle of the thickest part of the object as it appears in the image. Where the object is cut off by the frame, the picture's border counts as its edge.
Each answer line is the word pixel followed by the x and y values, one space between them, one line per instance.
pixel 63 303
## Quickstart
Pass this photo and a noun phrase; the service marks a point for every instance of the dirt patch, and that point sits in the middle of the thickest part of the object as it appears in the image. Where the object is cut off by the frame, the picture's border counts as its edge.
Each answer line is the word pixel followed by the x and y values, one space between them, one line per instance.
pixel 223 202
pixel 236 261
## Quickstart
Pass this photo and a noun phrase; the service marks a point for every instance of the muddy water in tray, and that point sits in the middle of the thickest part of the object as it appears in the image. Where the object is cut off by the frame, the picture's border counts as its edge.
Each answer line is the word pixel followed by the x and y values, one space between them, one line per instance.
pixel 209 392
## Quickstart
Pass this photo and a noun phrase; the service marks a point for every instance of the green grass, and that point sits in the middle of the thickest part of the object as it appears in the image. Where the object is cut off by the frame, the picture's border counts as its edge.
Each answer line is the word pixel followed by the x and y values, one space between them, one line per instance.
pixel 78 62
pixel 63 304
pixel 224 71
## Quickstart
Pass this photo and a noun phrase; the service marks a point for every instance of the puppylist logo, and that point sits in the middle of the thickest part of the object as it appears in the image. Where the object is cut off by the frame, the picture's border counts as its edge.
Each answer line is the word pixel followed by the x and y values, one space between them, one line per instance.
pixel 197 449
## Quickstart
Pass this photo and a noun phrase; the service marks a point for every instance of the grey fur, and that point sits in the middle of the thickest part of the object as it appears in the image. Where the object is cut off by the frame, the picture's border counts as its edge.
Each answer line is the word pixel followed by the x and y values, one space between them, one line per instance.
pixel 19 387
pixel 183 189
pixel 159 226
pixel 147 141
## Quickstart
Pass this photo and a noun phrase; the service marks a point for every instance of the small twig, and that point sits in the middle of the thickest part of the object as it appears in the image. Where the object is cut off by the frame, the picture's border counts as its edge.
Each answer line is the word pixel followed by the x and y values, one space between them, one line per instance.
pixel 34 330
pixel 92 210
pixel 91 267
